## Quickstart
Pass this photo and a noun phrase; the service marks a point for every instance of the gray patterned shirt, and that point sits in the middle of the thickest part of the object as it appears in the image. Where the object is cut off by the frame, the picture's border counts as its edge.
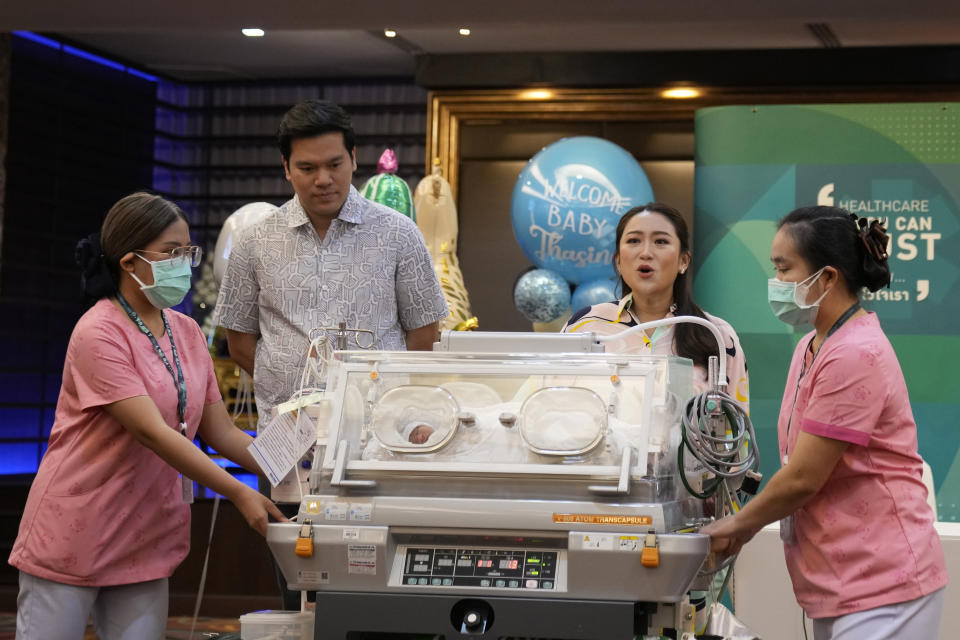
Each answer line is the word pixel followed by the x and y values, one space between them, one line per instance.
pixel 372 270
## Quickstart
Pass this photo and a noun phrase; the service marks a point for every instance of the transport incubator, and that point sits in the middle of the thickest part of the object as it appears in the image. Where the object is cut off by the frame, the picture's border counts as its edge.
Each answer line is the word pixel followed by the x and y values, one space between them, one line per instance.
pixel 502 485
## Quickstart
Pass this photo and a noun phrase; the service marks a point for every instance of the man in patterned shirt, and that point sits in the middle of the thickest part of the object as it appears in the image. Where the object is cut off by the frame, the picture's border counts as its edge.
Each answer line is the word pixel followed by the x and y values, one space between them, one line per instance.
pixel 326 256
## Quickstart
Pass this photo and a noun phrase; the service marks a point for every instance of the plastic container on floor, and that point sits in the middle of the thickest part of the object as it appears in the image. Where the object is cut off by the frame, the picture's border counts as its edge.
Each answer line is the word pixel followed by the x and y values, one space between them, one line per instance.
pixel 277 625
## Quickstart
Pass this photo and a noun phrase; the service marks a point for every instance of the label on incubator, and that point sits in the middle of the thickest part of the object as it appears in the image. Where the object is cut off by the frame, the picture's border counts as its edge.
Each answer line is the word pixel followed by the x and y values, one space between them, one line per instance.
pixel 362 559
pixel 312 507
pixel 599 542
pixel 351 534
pixel 313 577
pixel 361 511
pixel 630 543
pixel 599 518
pixel 301 402
pixel 335 511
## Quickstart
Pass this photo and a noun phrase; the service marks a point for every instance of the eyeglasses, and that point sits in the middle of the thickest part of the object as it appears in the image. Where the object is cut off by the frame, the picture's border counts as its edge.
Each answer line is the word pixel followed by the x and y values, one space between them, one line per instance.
pixel 192 253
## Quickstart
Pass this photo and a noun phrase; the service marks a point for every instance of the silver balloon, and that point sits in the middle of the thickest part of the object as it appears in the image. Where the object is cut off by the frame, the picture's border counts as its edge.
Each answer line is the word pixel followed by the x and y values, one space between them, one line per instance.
pixel 243 217
pixel 542 295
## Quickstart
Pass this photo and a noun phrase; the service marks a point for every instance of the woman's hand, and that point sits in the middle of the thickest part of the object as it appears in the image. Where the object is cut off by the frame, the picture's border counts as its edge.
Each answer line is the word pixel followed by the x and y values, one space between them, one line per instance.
pixel 727 536
pixel 256 509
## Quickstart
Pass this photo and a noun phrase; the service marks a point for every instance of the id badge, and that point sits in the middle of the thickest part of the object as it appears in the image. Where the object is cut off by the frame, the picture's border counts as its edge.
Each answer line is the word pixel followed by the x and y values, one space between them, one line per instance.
pixel 186 489
pixel 787 534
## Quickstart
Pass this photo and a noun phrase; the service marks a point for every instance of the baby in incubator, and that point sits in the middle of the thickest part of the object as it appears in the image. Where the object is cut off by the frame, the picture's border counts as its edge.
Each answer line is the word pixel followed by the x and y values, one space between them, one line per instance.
pixel 417 432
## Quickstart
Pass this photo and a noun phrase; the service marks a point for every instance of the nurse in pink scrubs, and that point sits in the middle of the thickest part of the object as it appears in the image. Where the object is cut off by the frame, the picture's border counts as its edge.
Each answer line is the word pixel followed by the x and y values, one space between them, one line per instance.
pixel 859 540
pixel 107 520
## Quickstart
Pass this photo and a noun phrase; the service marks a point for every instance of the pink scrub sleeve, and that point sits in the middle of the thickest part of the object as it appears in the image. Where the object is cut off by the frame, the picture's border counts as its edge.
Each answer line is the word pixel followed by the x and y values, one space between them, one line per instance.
pixel 845 399
pixel 103 372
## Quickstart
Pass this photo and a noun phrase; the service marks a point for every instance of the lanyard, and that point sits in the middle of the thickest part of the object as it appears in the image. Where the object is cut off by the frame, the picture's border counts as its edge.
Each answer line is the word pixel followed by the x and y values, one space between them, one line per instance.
pixel 178 376
pixel 803 369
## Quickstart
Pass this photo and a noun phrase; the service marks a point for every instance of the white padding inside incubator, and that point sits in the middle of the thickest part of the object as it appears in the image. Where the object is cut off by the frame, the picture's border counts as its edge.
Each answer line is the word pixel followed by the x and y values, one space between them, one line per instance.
pixel 563 420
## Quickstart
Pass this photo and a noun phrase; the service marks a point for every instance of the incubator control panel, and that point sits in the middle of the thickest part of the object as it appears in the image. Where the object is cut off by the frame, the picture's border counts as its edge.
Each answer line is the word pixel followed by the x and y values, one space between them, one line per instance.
pixel 469 567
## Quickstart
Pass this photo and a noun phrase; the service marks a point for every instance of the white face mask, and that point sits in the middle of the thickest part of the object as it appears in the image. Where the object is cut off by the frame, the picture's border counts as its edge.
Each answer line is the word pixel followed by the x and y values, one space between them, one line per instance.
pixel 788 300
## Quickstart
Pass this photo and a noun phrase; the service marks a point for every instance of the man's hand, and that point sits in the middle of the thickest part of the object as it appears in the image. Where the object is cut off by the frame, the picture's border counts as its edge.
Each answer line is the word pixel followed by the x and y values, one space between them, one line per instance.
pixel 422 339
pixel 243 348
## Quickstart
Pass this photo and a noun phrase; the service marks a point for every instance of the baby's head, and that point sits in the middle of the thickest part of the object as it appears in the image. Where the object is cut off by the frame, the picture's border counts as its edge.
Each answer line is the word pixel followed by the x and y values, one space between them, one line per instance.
pixel 418 433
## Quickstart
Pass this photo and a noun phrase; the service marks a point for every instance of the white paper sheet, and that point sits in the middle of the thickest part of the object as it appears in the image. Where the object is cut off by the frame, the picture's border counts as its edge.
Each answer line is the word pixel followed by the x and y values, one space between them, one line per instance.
pixel 285 440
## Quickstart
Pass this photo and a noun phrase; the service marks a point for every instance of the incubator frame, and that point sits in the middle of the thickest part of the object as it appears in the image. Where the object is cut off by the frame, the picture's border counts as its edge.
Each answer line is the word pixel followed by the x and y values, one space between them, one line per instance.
pixel 341 465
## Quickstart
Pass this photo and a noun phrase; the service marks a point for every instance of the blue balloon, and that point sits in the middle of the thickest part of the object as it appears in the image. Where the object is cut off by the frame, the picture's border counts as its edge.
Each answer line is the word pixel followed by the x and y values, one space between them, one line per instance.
pixel 541 295
pixel 593 292
pixel 567 202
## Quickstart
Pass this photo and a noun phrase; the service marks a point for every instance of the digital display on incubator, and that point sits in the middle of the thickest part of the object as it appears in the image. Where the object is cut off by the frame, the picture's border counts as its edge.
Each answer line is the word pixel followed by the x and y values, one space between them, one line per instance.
pixel 493 568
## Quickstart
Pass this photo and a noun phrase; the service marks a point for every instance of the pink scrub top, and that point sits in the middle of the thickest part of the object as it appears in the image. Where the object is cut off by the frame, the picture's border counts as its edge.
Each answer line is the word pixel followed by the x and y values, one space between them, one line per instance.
pixel 104 509
pixel 866 539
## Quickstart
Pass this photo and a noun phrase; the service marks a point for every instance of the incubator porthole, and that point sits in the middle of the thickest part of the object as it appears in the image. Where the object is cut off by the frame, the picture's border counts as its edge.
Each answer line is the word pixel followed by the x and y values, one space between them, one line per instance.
pixel 563 421
pixel 415 418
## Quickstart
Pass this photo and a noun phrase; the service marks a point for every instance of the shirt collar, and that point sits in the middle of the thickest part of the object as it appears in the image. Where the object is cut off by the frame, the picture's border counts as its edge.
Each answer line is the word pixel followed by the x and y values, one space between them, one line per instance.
pixel 351 211
pixel 626 302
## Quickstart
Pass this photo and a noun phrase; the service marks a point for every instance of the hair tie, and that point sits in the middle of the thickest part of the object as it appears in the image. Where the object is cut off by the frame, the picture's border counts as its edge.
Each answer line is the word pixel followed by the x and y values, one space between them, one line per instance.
pixel 95 276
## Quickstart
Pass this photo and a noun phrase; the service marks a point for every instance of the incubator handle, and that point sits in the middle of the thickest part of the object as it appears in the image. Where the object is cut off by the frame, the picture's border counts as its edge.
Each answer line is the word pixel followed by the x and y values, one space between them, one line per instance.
pixel 623 485
pixel 340 470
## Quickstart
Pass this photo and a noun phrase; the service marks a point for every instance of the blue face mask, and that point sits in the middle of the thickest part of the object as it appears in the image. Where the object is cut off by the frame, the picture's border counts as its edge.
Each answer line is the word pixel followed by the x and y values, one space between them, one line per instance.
pixel 171 281
pixel 788 301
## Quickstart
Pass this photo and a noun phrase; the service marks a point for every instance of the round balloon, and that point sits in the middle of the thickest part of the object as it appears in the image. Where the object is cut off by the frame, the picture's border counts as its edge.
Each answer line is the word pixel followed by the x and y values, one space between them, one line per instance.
pixel 243 217
pixel 541 295
pixel 568 200
pixel 593 292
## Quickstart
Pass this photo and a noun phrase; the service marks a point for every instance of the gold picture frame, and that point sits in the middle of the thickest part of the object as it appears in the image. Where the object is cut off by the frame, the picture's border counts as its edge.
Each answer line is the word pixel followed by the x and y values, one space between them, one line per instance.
pixel 447 111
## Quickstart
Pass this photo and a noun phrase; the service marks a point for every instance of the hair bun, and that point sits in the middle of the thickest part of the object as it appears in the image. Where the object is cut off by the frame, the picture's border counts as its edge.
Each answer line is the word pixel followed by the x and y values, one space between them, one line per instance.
pixel 874 238
pixel 95 277
pixel 87 251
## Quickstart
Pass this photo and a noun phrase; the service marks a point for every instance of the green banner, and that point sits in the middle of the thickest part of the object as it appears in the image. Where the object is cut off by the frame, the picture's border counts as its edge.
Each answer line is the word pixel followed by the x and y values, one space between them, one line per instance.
pixel 899 163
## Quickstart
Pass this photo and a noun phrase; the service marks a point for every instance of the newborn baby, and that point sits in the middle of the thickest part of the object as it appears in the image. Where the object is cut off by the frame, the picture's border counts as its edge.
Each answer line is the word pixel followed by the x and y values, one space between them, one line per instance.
pixel 417 432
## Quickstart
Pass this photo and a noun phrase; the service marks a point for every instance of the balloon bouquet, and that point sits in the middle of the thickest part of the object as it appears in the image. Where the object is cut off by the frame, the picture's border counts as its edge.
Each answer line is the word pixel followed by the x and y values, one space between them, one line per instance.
pixel 435 213
pixel 565 209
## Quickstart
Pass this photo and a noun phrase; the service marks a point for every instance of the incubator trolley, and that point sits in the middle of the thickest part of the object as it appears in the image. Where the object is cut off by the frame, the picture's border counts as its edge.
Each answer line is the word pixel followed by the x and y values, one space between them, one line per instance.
pixel 485 495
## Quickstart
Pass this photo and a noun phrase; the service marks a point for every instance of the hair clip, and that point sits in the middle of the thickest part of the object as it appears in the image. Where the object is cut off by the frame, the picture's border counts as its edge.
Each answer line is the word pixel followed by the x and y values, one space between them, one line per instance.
pixel 874 238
